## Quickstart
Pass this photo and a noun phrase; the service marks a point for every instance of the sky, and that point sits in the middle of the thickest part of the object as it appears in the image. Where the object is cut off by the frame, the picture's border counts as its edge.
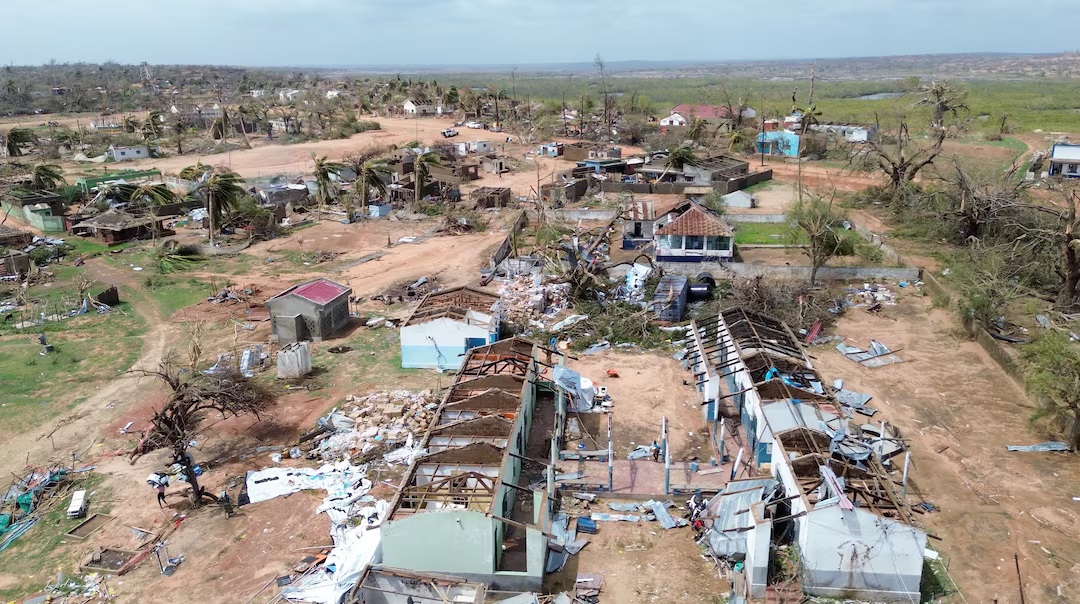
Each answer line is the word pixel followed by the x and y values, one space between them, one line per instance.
pixel 517 32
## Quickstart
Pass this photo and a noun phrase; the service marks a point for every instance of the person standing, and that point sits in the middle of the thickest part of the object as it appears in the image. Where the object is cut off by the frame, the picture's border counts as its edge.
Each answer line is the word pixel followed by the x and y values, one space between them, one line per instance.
pixel 161 495
pixel 655 451
pixel 226 503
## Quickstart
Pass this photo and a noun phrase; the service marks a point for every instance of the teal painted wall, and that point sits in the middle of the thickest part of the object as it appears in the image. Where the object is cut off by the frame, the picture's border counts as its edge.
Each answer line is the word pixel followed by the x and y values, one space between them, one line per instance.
pixel 452 541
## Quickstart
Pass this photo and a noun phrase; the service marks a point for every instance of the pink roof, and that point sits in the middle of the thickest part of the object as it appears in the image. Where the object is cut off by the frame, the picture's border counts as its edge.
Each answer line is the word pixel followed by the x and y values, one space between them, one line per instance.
pixel 319 291
pixel 705 112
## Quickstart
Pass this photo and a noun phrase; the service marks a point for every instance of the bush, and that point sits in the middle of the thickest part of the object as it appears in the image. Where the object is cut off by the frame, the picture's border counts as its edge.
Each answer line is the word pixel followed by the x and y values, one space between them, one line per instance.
pixel 45 254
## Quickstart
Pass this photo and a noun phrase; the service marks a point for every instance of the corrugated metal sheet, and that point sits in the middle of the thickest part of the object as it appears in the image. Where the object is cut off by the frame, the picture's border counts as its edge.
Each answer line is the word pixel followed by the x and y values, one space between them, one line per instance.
pixel 725 537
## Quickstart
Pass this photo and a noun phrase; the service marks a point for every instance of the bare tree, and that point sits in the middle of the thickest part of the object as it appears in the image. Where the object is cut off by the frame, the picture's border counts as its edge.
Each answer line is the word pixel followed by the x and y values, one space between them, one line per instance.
pixel 194 398
pixel 903 161
pixel 942 98
pixel 601 69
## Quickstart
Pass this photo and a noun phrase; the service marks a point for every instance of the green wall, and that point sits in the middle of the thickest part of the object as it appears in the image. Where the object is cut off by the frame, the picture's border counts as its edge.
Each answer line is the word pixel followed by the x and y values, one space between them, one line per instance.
pixel 451 541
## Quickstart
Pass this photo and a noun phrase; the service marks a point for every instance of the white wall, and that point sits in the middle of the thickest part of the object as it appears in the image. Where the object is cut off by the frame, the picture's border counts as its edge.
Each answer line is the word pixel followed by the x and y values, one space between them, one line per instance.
pixel 440 343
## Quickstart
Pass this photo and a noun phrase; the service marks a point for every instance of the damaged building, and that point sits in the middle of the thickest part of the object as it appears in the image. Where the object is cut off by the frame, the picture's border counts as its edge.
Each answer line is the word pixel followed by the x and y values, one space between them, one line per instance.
pixel 817 482
pixel 466 508
pixel 445 325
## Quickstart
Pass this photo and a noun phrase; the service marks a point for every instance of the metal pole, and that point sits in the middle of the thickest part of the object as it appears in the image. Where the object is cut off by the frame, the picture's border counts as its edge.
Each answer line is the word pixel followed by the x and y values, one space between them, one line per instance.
pixel 735 466
pixel 720 443
pixel 907 464
pixel 1019 579
pixel 667 469
pixel 663 437
pixel 610 458
pixel 762 142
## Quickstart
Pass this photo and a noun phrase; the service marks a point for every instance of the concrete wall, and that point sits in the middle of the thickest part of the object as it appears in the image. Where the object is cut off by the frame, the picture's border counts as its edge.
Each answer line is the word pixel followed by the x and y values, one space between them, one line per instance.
pixel 756 218
pixel 440 344
pixel 453 542
pixel 601 215
pixel 828 272
pixel 677 188
pixel 43 222
pixel 321 322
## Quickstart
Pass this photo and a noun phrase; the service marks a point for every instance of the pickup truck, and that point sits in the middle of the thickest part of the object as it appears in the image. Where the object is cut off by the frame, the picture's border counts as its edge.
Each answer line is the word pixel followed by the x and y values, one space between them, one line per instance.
pixel 474 125
pixel 449 132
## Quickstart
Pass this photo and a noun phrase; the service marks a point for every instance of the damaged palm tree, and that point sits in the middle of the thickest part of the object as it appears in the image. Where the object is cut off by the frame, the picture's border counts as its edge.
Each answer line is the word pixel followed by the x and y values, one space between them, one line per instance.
pixel 196 402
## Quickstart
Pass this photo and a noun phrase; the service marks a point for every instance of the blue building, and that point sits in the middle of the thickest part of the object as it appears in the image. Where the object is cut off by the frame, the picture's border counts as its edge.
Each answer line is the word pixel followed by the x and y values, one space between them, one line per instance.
pixel 778 142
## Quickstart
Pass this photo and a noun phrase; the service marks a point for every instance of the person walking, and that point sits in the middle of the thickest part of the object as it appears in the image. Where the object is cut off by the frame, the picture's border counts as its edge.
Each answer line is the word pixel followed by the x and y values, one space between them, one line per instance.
pixel 161 495
pixel 655 451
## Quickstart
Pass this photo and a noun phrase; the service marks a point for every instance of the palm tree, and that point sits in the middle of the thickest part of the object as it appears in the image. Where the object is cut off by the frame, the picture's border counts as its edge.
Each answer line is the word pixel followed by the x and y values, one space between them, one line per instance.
pixel 810 115
pixel 421 168
pixel 150 129
pixel 223 190
pixel 697 130
pixel 677 159
pixel 369 175
pixel 47 177
pixel 152 196
pixel 194 172
pixel 16 137
pixel 323 170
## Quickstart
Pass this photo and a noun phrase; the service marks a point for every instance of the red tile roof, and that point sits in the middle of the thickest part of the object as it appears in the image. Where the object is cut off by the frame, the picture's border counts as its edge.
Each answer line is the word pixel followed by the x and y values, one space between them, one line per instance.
pixel 319 291
pixel 696 221
pixel 705 112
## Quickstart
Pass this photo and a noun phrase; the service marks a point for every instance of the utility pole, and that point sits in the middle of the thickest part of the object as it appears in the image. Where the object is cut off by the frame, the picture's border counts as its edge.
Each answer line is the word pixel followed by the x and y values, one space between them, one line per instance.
pixel 762 141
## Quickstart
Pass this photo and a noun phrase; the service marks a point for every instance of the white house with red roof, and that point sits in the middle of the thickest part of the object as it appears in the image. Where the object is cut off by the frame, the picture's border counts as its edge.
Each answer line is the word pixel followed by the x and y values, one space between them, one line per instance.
pixel 311 311
pixel 691 233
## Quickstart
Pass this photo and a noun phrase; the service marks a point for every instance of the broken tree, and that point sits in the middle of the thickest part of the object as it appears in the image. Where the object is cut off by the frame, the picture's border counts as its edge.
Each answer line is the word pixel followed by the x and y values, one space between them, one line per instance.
pixel 194 399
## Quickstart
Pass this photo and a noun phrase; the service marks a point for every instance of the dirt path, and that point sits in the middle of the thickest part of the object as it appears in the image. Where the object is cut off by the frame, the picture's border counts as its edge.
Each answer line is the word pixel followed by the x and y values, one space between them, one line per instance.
pixel 80 428
pixel 958 409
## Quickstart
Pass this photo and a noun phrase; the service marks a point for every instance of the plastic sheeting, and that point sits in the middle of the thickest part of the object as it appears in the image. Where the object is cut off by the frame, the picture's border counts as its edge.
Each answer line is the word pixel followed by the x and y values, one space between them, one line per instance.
pixel 336 479
pixel 580 388
pixel 354 550
pixel 1047 447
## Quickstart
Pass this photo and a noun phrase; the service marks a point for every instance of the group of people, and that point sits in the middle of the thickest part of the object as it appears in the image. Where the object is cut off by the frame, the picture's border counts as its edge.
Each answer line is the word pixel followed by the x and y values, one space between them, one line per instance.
pixel 160 480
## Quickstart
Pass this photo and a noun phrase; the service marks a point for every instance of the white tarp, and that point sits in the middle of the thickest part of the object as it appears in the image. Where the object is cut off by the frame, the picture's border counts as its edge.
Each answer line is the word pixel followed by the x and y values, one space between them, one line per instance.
pixel 577 386
pixel 338 480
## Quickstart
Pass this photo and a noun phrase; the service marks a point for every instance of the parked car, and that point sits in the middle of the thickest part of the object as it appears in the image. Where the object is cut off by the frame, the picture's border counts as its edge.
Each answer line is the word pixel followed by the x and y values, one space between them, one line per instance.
pixel 474 125
pixel 449 132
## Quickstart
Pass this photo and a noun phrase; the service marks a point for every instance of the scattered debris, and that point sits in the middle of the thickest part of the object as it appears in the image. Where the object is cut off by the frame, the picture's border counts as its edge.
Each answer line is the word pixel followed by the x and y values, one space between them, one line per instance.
pixel 878 355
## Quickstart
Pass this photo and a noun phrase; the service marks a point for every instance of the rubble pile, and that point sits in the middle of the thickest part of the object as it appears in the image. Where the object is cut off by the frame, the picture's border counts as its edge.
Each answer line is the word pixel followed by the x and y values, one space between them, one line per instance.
pixel 408 291
pixel 379 421
pixel 875 294
pixel 525 298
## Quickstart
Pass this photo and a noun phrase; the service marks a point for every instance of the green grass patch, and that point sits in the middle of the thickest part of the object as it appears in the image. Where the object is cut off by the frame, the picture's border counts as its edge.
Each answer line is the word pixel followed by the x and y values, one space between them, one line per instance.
pixel 762 233
pixel 172 294
pixel 38 555
pixel 89 350
pixel 761 186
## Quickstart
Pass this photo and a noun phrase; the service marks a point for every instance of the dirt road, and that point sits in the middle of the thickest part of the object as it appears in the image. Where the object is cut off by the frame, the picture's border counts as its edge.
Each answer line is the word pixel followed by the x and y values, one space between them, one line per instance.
pixel 958 409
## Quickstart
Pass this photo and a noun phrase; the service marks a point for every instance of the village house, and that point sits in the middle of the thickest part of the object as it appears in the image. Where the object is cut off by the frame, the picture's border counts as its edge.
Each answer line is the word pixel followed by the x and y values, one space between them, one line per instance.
pixel 311 311
pixel 445 325
pixel 491 197
pixel 818 486
pixel 691 233
pixel 415 109
pixel 115 226
pixel 589 151
pixel 466 507
pixel 1064 160
pixel 42 210
pixel 131 153
pixel 852 133
pixel 682 115
pixel 553 149
pixel 708 171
